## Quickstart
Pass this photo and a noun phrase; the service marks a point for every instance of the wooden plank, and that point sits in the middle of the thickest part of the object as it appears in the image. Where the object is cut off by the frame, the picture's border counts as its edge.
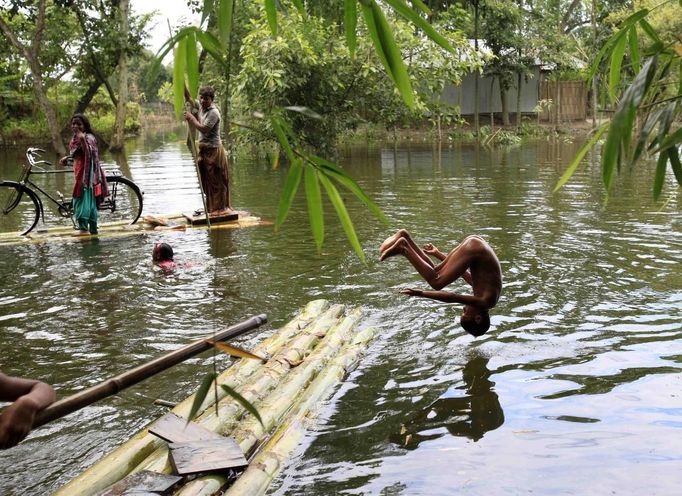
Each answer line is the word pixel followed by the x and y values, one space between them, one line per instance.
pixel 206 455
pixel 175 429
pixel 199 220
pixel 143 482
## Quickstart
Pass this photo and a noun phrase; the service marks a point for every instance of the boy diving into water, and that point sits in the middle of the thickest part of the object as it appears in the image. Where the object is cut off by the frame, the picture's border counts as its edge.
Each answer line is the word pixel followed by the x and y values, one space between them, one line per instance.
pixel 473 260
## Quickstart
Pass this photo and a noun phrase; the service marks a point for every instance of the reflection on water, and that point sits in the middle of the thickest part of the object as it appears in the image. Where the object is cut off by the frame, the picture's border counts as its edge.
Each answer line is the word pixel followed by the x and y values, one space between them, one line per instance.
pixel 573 389
pixel 468 410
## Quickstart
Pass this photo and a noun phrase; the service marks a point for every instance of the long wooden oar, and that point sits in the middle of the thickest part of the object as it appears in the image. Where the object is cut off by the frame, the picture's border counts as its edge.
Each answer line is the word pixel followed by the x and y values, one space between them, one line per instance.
pixel 138 374
pixel 192 144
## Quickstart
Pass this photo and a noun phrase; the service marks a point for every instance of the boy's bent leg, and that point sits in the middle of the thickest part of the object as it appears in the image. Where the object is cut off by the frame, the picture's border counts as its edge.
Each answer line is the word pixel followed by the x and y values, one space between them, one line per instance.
pixel 403 234
pixel 426 270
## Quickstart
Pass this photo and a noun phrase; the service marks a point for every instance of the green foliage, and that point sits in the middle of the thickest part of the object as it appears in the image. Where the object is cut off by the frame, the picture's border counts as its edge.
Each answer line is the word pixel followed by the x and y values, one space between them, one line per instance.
pixel 654 95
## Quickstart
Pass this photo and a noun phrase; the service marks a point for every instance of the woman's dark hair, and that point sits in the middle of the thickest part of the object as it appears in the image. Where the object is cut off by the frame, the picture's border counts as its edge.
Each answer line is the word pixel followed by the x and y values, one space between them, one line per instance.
pixel 86 123
pixel 162 252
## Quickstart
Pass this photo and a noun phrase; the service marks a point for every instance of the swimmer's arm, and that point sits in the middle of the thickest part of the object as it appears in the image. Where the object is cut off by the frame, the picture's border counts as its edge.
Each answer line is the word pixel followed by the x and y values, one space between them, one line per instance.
pixel 446 297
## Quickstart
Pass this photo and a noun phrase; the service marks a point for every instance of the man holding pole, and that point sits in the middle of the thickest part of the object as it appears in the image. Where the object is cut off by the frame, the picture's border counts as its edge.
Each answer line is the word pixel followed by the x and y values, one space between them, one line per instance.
pixel 212 159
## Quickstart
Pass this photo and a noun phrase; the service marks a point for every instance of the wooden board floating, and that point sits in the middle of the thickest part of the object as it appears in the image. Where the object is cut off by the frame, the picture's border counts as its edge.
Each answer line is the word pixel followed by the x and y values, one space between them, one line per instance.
pixel 307 358
pixel 206 455
pixel 195 219
pixel 174 429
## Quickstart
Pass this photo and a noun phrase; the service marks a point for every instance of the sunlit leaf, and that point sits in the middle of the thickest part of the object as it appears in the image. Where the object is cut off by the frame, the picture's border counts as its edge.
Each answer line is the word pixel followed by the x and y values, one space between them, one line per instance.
pixel 404 10
pixel 234 351
pixel 192 64
pixel 290 188
pixel 179 76
pixel 340 176
pixel 659 178
pixel 342 213
pixel 225 21
pixel 308 112
pixel 616 62
pixel 271 12
pixel 350 22
pixel 315 212
pixel 634 48
pixel 580 155
pixel 200 395
pixel 244 402
pixel 212 46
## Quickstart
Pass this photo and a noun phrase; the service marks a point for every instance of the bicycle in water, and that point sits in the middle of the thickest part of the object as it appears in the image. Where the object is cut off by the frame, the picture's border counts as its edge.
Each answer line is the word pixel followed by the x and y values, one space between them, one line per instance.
pixel 20 199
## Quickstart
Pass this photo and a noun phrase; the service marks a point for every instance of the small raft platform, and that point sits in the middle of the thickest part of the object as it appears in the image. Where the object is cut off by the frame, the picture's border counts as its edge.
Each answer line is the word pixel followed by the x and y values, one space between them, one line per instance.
pixel 175 222
pixel 305 361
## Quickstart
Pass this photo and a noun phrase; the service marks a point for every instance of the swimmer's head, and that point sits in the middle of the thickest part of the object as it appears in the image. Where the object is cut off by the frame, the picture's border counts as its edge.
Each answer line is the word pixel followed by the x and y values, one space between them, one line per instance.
pixel 162 252
pixel 474 320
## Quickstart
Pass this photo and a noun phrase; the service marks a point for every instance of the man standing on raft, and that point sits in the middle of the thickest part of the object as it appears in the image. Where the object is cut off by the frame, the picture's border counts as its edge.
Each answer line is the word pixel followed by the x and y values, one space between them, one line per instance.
pixel 473 260
pixel 213 164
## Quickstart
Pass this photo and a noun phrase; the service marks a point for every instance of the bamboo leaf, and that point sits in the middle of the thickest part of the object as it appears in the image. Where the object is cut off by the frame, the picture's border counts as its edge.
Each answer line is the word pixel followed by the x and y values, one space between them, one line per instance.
pixel 234 351
pixel 290 187
pixel 225 21
pixel 205 10
pixel 650 31
pixel 421 6
pixel 304 110
pixel 179 76
pixel 200 395
pixel 404 10
pixel 616 62
pixel 271 12
pixel 675 164
pixel 368 15
pixel 165 50
pixel 671 140
pixel 278 128
pixel 580 155
pixel 315 212
pixel 341 211
pixel 393 55
pixel 659 178
pixel 192 64
pixel 666 120
pixel 244 402
pixel 212 46
pixel 350 22
pixel 634 48
pixel 648 126
pixel 340 176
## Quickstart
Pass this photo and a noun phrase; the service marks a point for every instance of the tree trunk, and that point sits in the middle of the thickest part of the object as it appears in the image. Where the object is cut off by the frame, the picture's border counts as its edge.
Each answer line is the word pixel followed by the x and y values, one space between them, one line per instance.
pixel 117 142
pixel 518 101
pixel 503 102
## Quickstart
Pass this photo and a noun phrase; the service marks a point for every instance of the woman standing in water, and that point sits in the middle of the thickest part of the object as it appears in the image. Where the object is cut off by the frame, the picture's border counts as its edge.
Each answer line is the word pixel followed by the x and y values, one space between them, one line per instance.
pixel 90 187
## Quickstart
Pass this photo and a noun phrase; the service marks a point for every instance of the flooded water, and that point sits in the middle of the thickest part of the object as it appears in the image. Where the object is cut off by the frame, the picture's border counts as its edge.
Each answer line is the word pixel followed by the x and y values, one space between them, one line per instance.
pixel 576 388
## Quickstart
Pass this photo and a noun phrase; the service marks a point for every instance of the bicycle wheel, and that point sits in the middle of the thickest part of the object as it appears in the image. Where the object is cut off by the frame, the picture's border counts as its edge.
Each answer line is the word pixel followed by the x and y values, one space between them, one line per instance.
pixel 124 203
pixel 20 208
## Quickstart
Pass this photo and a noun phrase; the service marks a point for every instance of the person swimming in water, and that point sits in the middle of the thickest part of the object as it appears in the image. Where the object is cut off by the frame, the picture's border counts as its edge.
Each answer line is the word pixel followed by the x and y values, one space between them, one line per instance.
pixel 162 255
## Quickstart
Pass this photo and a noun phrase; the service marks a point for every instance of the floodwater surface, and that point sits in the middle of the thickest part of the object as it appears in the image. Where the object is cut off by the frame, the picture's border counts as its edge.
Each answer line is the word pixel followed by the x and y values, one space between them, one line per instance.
pixel 575 389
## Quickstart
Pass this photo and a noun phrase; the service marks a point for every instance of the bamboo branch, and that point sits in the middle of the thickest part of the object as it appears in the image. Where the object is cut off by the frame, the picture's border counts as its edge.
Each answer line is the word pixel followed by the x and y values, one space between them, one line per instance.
pixel 116 384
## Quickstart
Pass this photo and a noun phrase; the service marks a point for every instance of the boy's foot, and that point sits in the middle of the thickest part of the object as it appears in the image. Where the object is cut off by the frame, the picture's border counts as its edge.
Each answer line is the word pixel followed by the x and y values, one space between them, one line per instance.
pixel 393 250
pixel 391 240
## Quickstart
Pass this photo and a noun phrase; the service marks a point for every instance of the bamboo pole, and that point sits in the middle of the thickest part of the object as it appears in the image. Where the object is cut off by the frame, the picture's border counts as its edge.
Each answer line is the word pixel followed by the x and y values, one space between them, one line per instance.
pixel 116 384
pixel 290 392
pixel 266 379
pixel 120 462
pixel 275 452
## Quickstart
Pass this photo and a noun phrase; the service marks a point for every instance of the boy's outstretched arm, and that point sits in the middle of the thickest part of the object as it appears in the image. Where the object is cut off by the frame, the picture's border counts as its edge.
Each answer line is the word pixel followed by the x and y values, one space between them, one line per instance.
pixel 30 397
pixel 446 297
